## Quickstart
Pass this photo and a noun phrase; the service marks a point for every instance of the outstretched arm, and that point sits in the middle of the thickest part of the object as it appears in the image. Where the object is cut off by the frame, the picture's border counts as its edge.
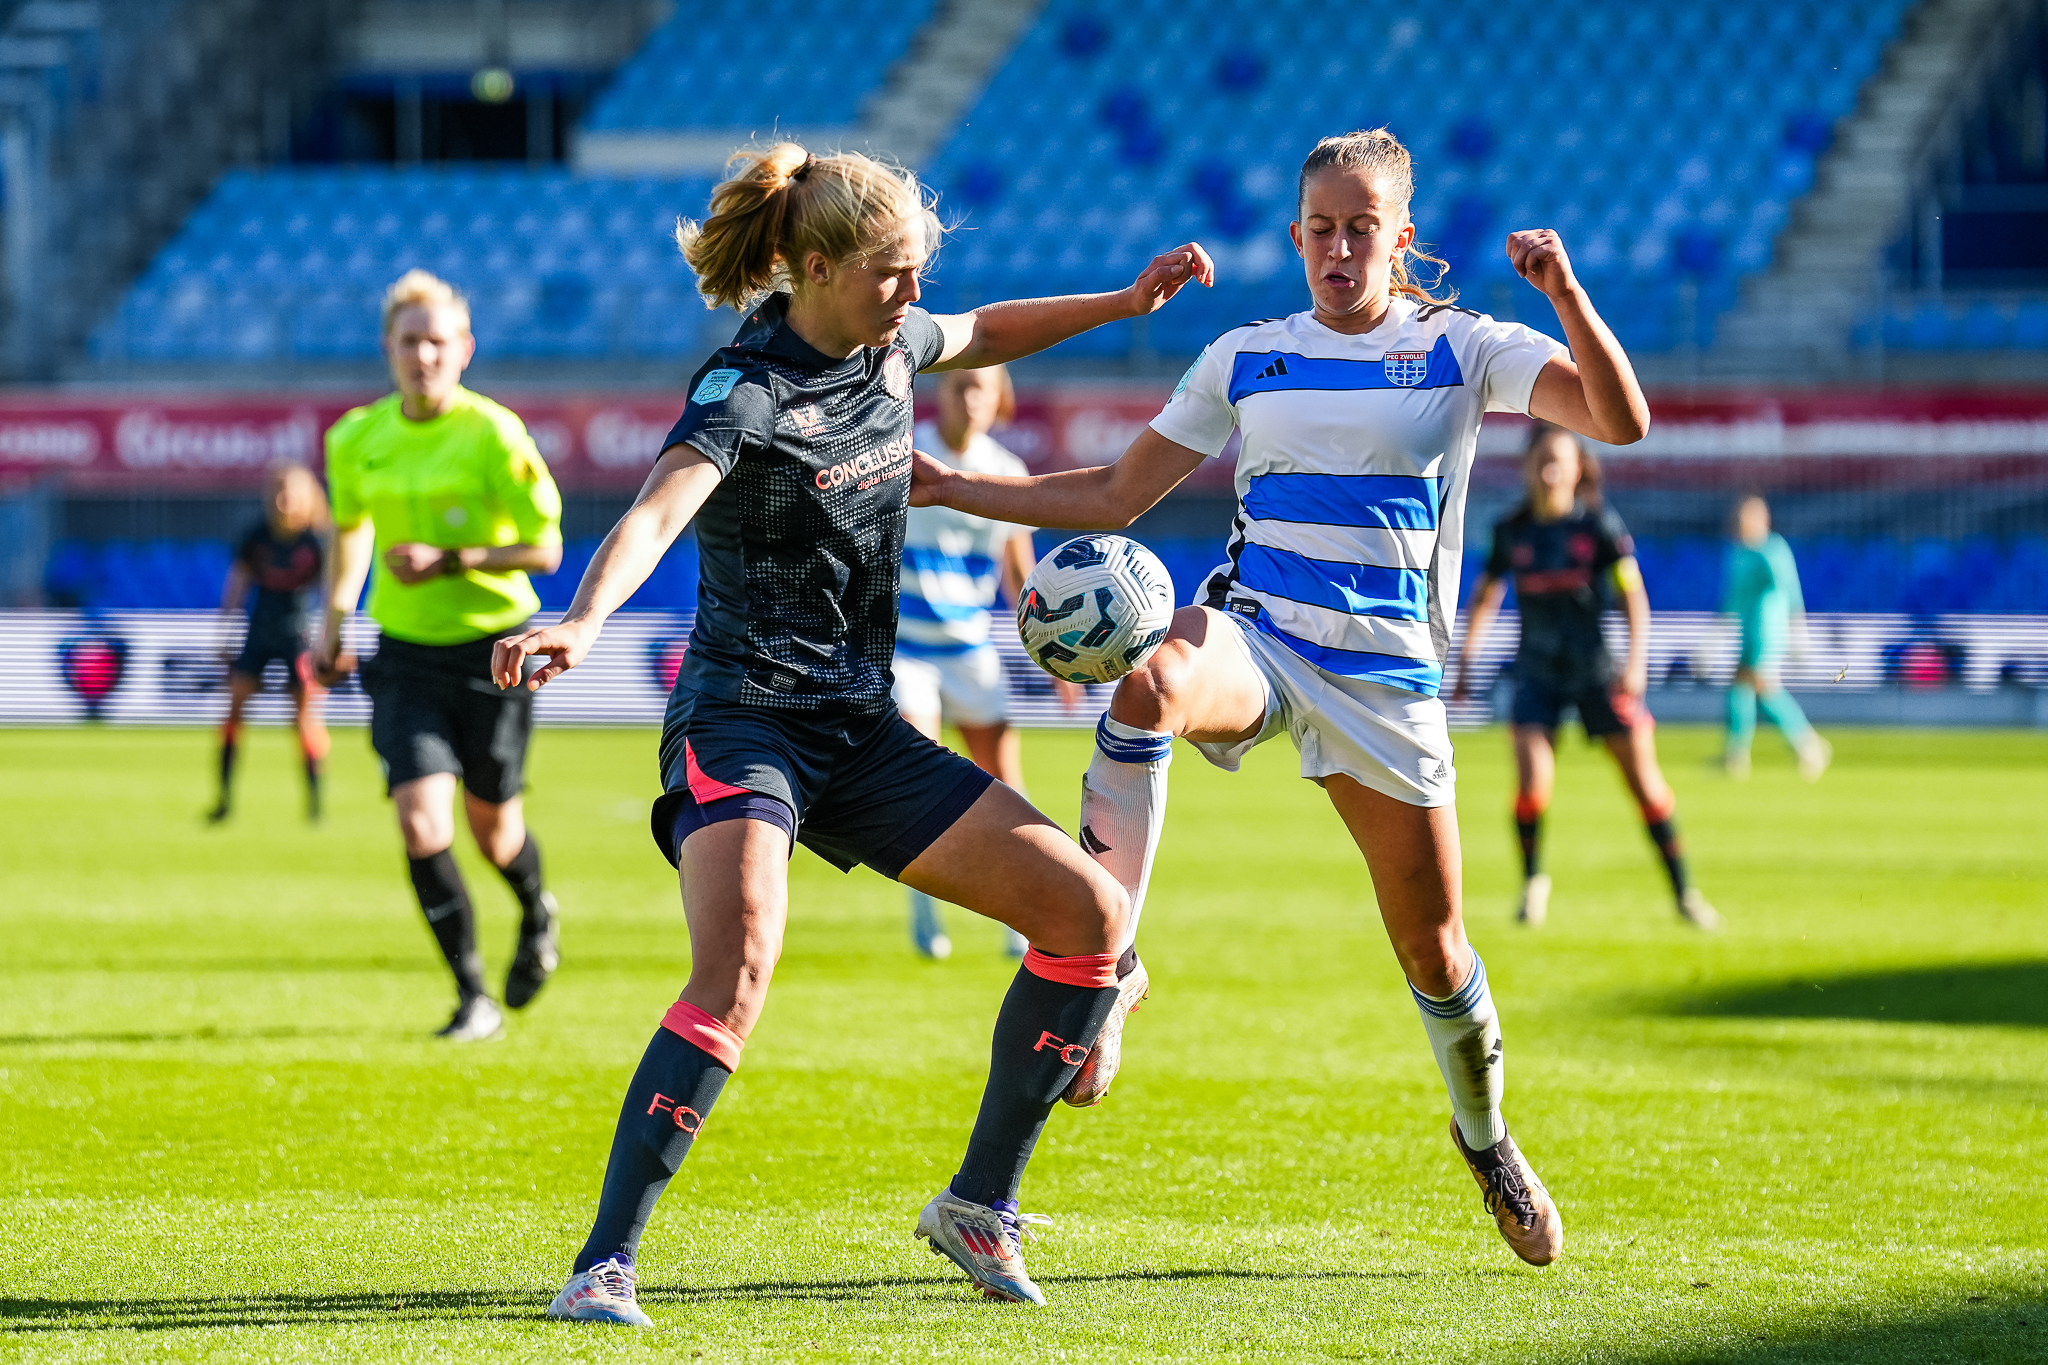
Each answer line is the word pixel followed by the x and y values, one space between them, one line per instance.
pixel 678 485
pixel 1486 600
pixel 999 332
pixel 1595 392
pixel 1105 498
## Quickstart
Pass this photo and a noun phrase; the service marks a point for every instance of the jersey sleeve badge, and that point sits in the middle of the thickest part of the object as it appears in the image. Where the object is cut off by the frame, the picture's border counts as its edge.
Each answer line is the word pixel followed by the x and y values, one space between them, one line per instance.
pixel 896 374
pixel 716 386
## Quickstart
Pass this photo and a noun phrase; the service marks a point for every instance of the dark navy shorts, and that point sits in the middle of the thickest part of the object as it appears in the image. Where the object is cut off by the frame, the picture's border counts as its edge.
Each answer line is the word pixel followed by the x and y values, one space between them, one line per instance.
pixel 260 651
pixel 1604 709
pixel 435 709
pixel 859 788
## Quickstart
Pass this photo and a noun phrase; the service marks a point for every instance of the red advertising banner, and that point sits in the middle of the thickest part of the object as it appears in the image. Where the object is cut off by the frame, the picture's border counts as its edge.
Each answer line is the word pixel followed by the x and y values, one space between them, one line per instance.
pixel 113 442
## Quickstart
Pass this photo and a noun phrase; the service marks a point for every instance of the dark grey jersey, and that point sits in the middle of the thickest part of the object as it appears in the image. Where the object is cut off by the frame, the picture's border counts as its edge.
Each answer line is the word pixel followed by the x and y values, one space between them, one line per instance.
pixel 802 540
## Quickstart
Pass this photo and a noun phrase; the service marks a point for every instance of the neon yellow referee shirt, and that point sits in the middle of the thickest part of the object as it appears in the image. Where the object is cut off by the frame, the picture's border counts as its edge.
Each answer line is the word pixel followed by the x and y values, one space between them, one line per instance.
pixel 468 477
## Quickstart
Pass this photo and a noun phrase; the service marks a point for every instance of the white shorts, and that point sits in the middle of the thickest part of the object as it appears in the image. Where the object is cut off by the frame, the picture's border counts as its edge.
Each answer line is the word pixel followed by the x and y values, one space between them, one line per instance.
pixel 1395 741
pixel 965 688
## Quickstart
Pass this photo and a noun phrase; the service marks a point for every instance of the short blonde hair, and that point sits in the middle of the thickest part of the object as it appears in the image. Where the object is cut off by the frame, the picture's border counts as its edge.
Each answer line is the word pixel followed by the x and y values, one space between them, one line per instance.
pixel 417 288
pixel 783 204
pixel 308 500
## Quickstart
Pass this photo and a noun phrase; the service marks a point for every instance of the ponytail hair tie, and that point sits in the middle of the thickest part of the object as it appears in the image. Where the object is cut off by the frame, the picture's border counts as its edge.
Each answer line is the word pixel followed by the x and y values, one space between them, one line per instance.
pixel 804 170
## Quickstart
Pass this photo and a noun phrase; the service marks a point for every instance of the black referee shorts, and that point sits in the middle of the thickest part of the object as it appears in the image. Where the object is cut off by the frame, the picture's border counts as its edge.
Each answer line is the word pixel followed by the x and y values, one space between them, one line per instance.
pixel 862 788
pixel 434 709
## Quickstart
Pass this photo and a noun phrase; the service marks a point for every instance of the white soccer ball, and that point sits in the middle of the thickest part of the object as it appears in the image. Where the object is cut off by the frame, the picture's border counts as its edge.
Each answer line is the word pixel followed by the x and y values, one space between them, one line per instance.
pixel 1095 608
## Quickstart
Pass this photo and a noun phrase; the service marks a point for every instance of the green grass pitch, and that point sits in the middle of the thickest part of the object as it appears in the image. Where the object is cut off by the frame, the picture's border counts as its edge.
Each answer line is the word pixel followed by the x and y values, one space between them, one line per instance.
pixel 1820 1136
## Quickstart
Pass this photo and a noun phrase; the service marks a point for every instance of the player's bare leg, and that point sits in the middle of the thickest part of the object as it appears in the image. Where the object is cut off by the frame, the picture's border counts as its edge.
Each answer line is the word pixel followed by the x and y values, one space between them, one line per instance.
pixel 1413 855
pixel 1197 685
pixel 1635 753
pixel 927 926
pixel 241 687
pixel 996 749
pixel 1535 776
pixel 308 700
pixel 1005 860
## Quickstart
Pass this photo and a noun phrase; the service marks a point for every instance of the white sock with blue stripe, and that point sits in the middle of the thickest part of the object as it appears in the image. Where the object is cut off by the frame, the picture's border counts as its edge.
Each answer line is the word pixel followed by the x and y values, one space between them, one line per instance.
pixel 1123 807
pixel 1464 1033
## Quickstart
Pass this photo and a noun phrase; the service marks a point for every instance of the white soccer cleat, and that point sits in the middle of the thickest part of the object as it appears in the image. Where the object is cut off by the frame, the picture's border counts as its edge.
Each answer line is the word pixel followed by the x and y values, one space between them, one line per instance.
pixel 1814 757
pixel 984 1242
pixel 477 1020
pixel 603 1293
pixel 1099 1068
pixel 1535 906
pixel 1694 910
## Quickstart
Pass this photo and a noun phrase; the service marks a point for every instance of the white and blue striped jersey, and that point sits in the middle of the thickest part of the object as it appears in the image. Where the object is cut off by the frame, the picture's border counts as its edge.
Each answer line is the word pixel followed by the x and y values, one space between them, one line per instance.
pixel 1351 476
pixel 952 562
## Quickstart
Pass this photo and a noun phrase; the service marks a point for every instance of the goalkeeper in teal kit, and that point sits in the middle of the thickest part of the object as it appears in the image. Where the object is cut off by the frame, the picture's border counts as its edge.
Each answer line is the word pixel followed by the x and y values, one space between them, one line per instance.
pixel 1762 594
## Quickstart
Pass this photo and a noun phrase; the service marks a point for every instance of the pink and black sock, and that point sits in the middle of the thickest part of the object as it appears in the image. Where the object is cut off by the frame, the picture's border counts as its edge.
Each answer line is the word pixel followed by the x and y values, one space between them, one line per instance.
pixel 1529 829
pixel 1663 828
pixel 1050 1019
pixel 681 1074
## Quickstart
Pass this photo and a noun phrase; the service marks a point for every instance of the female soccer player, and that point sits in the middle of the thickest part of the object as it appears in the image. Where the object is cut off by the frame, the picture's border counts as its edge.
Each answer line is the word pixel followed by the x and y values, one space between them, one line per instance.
pixel 1329 621
pixel 1563 548
pixel 793 457
pixel 276 565
pixel 946 668
pixel 1763 596
pixel 448 487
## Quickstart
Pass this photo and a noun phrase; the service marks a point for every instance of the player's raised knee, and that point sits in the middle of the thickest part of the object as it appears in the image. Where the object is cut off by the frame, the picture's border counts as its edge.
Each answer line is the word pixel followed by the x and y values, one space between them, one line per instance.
pixel 1151 695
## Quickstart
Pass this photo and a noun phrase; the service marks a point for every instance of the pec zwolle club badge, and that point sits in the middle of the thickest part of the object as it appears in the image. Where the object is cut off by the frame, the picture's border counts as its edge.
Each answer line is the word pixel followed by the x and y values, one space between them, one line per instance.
pixel 1406 368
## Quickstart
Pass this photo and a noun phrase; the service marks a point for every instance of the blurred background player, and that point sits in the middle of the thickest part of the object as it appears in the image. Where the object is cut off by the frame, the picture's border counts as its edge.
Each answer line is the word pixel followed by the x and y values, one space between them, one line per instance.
pixel 1763 596
pixel 946 667
pixel 277 564
pixel 446 490
pixel 1564 548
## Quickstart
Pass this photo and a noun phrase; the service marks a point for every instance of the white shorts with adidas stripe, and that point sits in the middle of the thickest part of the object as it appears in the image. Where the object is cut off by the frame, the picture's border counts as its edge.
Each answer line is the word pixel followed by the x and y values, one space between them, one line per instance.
pixel 1395 741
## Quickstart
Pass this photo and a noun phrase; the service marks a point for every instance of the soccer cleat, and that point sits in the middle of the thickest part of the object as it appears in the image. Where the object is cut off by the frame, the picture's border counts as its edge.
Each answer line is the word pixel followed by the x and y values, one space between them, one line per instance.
pixel 218 814
pixel 1524 1210
pixel 1535 906
pixel 476 1020
pixel 1814 757
pixel 603 1293
pixel 987 1243
pixel 1694 910
pixel 1091 1082
pixel 926 930
pixel 536 959
pixel 1736 765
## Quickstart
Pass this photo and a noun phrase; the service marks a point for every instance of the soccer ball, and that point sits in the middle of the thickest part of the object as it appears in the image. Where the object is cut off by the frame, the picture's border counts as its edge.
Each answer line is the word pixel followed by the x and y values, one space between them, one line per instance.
pixel 1095 608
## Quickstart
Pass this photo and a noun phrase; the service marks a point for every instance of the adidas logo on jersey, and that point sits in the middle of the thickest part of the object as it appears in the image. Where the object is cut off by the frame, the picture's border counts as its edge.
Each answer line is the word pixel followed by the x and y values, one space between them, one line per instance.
pixel 1276 370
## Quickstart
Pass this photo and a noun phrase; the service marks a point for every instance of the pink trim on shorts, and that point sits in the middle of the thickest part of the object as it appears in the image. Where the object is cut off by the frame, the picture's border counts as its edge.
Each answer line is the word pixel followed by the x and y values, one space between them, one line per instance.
pixel 704 788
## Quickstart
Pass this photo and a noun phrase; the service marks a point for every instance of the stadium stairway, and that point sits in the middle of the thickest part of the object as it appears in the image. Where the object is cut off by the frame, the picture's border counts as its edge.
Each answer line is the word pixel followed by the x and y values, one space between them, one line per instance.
pixel 1798 316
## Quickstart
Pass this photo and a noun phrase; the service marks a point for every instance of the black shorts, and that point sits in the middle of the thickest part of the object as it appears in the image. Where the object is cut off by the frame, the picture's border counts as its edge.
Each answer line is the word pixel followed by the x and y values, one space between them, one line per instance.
pixel 434 709
pixel 260 651
pixel 1604 709
pixel 863 788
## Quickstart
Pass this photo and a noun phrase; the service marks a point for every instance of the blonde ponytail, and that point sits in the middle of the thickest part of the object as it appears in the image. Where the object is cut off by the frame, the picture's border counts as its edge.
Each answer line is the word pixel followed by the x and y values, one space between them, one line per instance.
pixel 783 204
pixel 1379 156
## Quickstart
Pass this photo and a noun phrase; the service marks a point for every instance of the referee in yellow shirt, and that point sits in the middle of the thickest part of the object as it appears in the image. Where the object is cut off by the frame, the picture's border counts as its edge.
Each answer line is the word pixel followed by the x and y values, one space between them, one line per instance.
pixel 445 489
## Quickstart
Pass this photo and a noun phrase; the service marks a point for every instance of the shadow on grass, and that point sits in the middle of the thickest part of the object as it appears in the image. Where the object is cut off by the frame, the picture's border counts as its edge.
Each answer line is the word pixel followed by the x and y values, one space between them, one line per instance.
pixel 203 1034
pixel 1985 1327
pixel 1970 993
pixel 18 1316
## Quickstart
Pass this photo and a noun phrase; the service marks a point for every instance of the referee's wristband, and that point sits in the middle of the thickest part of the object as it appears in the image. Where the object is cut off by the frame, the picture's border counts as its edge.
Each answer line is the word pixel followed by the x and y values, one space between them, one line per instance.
pixel 451 563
